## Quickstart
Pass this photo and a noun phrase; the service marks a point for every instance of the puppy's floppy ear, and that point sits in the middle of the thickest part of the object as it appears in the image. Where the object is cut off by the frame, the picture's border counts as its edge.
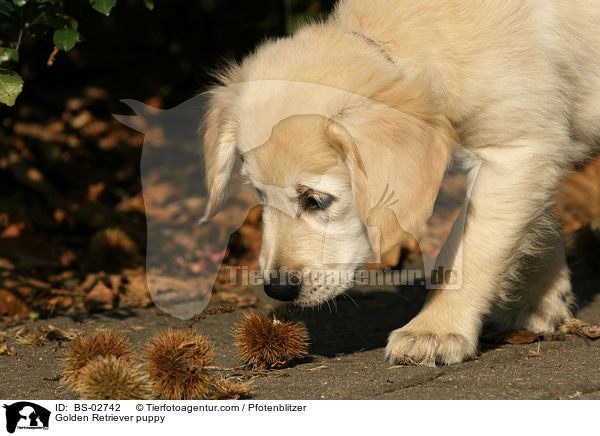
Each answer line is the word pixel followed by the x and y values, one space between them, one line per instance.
pixel 218 131
pixel 396 162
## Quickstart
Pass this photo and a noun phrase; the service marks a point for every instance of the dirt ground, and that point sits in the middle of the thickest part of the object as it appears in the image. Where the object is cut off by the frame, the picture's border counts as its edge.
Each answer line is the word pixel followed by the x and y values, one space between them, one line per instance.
pixel 346 355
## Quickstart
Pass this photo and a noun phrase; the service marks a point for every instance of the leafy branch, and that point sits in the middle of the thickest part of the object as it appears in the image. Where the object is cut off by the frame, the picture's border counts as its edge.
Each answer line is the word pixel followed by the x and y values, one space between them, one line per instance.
pixel 31 20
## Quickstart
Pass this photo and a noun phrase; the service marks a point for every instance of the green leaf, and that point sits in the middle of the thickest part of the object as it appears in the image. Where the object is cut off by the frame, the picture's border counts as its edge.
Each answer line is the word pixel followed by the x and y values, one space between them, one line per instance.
pixel 11 85
pixel 65 39
pixel 6 7
pixel 149 4
pixel 208 5
pixel 20 3
pixel 8 55
pixel 103 6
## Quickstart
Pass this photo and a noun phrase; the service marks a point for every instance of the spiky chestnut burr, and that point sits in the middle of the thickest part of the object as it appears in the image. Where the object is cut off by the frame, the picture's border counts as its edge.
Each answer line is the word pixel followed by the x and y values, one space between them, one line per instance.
pixel 269 343
pixel 111 378
pixel 85 347
pixel 176 361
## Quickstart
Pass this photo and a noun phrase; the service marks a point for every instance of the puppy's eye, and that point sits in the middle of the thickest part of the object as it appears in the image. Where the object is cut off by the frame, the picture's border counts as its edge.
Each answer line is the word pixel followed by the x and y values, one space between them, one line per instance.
pixel 313 201
pixel 259 195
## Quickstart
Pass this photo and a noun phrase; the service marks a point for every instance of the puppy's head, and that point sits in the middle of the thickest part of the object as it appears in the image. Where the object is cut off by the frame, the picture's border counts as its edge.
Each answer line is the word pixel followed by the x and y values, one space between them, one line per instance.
pixel 313 237
pixel 339 186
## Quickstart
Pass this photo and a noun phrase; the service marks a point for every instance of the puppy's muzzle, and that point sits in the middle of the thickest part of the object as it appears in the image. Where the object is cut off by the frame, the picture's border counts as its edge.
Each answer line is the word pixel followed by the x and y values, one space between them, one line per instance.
pixel 282 285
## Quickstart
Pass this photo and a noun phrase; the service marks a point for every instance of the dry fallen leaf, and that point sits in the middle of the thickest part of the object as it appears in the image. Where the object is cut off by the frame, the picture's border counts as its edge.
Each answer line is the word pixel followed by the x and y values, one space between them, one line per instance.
pixel 12 231
pixel 49 333
pixel 58 334
pixel 4 350
pixel 101 297
pixel 520 337
pixel 11 305
pixel 580 328
pixel 34 339
pixel 592 331
pixel 535 353
pixel 316 368
pixel 20 331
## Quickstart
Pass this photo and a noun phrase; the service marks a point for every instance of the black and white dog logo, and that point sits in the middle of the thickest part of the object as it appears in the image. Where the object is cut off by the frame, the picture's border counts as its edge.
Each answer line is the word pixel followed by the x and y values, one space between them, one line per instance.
pixel 26 415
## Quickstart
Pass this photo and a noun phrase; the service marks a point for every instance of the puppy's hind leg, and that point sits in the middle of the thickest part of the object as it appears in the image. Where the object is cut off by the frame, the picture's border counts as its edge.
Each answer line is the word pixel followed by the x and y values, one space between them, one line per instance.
pixel 541 295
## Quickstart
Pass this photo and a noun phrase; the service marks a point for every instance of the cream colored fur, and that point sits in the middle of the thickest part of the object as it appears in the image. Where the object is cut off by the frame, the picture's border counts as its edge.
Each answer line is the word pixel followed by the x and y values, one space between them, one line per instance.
pixel 516 81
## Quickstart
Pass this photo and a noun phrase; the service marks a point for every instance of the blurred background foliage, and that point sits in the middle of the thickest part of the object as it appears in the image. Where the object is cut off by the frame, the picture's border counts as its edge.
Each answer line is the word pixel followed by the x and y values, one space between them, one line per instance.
pixel 135 48
pixel 72 215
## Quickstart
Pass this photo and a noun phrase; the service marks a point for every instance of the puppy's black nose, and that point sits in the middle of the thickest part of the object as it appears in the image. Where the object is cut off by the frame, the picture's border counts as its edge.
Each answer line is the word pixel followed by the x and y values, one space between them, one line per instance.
pixel 282 287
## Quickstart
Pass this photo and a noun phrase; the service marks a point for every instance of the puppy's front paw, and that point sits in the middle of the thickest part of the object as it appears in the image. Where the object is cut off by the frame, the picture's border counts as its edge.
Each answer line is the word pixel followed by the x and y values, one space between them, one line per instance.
pixel 411 344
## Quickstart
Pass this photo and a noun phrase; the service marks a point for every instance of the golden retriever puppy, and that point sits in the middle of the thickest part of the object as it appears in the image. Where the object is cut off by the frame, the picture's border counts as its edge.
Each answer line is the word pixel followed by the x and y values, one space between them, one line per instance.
pixel 346 128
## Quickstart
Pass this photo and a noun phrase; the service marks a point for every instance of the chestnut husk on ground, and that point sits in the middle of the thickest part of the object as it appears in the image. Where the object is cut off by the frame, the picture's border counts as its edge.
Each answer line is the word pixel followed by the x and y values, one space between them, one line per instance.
pixel 266 342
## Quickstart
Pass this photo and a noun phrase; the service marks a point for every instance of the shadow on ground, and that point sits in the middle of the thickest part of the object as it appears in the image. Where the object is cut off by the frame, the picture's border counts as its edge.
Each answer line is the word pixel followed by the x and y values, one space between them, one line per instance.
pixel 360 320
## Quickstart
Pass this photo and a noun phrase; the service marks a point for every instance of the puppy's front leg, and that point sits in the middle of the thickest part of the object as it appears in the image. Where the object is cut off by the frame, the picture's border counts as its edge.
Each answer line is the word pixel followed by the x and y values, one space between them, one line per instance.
pixel 507 199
